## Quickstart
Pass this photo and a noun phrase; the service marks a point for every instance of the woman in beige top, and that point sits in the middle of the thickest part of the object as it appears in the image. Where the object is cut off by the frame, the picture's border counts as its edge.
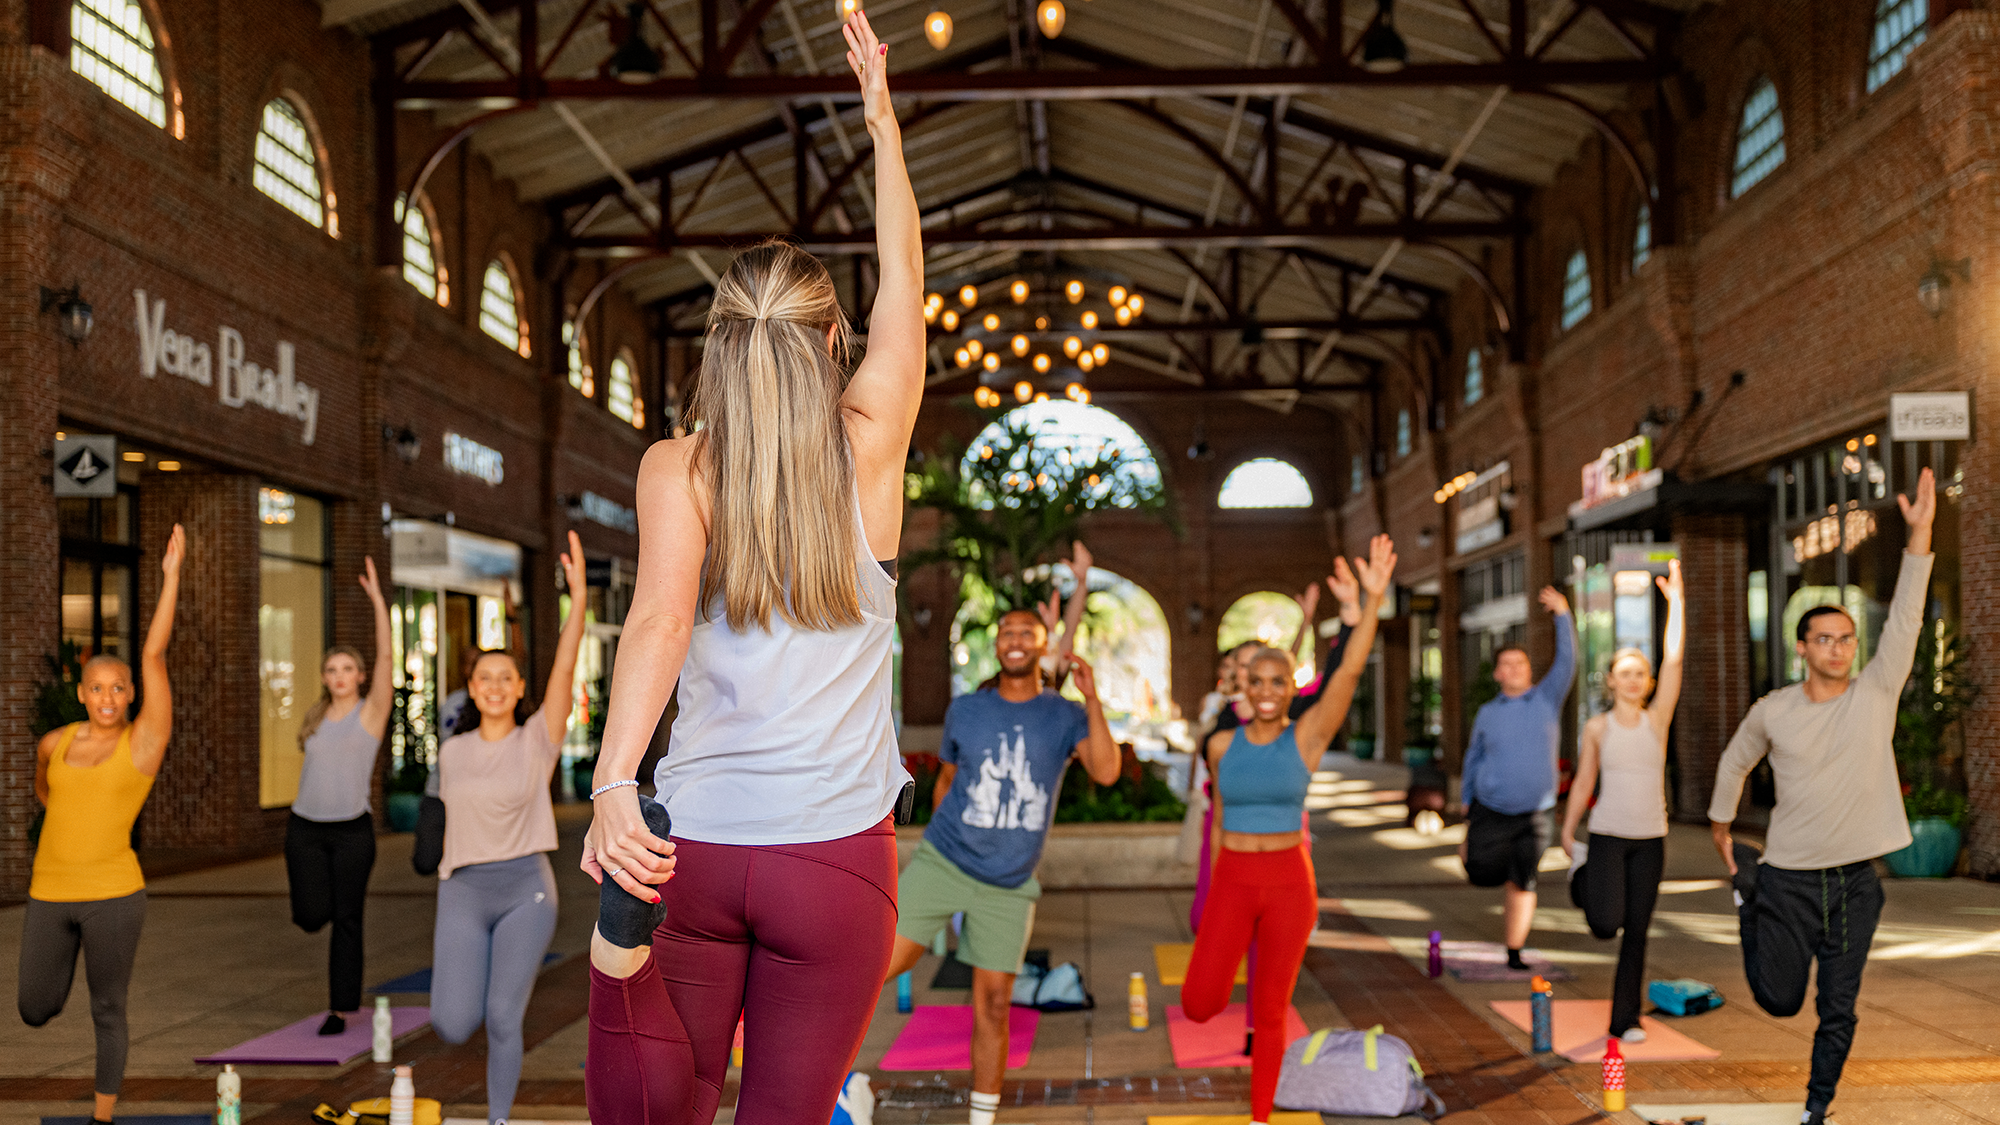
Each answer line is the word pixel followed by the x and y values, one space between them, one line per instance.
pixel 496 893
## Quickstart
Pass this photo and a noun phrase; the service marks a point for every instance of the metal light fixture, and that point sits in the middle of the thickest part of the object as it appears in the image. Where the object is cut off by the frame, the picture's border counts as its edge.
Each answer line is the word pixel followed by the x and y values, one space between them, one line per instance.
pixel 407 443
pixel 1382 49
pixel 1931 286
pixel 1049 16
pixel 937 29
pixel 73 314
pixel 635 60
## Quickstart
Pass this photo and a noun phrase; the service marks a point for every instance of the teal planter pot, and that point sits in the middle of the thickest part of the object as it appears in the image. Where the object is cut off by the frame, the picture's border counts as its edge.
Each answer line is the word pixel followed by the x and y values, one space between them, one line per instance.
pixel 402 809
pixel 1932 853
pixel 1363 748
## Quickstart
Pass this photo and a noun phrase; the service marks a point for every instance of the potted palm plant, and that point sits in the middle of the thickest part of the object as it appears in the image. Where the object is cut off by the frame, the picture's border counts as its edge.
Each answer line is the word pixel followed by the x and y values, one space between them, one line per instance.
pixel 1935 697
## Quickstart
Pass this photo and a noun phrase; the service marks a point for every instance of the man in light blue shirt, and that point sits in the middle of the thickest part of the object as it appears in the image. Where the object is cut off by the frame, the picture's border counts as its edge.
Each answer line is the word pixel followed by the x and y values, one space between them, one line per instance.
pixel 1509 788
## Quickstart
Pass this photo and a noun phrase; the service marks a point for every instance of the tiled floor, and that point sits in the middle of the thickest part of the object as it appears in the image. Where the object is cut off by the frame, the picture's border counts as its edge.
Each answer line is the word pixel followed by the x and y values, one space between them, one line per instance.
pixel 220 963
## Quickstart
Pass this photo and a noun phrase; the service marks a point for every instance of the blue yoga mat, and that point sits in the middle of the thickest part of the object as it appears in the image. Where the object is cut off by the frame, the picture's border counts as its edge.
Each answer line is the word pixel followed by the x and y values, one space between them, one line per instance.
pixel 408 983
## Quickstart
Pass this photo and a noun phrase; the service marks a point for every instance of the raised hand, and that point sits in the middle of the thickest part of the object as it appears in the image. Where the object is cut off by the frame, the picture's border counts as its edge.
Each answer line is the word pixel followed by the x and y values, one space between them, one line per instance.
pixel 370 582
pixel 868 58
pixel 1079 559
pixel 1308 601
pixel 573 572
pixel 1086 679
pixel 1376 570
pixel 1051 611
pixel 1553 601
pixel 1341 583
pixel 1671 585
pixel 1923 510
pixel 170 559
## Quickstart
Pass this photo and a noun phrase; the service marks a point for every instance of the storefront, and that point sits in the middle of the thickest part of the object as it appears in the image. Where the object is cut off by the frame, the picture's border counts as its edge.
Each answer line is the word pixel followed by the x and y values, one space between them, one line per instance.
pixel 455 596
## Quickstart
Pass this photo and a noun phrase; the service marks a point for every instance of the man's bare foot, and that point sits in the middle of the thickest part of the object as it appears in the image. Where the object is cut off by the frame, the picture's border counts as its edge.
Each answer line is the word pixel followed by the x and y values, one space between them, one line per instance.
pixel 616 961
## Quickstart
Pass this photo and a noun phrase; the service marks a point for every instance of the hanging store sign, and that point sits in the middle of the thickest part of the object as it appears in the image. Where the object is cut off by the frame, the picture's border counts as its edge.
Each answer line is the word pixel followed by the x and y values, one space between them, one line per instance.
pixel 466 457
pixel 1484 500
pixel 609 513
pixel 1618 472
pixel 1933 416
pixel 86 465
pixel 238 380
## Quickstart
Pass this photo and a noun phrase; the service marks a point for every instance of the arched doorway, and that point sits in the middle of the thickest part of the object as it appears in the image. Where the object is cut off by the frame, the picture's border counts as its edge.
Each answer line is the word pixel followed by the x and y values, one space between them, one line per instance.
pixel 1270 619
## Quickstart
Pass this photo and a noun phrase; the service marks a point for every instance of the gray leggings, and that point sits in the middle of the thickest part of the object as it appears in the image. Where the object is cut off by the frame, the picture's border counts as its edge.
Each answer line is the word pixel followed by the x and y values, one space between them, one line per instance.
pixel 494 922
pixel 107 931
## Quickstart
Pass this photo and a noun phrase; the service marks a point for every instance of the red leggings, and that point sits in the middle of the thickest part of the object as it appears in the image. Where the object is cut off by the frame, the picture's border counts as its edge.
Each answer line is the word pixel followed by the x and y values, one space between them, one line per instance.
pixel 794 938
pixel 1272 898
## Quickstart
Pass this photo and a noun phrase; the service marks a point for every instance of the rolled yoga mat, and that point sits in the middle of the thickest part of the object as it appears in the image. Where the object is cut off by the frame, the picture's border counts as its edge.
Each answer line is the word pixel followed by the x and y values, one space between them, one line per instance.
pixel 1580 1026
pixel 1219 1042
pixel 302 1044
pixel 939 1037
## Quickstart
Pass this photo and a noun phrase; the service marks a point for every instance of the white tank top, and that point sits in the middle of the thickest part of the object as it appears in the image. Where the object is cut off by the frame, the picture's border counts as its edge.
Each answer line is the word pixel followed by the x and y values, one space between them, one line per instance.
pixel 786 736
pixel 1631 782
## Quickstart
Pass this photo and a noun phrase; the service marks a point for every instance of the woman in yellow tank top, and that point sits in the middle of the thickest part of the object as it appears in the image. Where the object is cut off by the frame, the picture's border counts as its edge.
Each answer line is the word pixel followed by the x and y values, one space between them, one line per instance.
pixel 87 892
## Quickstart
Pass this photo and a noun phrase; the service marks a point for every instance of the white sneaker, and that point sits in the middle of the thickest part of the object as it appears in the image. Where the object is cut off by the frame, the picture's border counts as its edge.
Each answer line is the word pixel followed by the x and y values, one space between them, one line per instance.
pixel 1634 1035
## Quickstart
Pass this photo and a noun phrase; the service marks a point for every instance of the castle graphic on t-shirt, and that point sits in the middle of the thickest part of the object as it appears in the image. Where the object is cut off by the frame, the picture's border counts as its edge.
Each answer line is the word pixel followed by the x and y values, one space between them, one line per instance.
pixel 1006 796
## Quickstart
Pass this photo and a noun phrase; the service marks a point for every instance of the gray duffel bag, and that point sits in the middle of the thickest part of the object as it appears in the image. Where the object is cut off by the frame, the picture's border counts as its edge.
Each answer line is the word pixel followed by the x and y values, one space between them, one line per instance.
pixel 1355 1073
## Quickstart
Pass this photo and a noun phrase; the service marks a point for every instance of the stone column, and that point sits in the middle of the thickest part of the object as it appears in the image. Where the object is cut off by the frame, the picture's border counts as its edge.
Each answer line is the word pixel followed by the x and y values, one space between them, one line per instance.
pixel 1715 689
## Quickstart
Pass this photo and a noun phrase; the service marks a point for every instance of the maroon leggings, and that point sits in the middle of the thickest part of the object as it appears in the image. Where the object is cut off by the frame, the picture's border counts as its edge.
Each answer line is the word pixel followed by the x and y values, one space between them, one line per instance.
pixel 794 938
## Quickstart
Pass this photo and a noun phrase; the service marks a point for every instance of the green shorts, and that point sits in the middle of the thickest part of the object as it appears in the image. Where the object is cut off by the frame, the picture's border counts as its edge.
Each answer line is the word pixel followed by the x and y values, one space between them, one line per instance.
pixel 997 919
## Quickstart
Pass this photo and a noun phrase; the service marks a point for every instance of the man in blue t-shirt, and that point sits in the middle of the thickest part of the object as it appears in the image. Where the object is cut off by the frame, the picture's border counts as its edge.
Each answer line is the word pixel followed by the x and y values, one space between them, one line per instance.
pixel 1004 754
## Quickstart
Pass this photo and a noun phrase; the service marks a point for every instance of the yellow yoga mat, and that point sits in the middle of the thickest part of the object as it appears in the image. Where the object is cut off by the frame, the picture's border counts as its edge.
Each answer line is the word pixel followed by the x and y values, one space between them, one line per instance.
pixel 1171 959
pixel 1282 1117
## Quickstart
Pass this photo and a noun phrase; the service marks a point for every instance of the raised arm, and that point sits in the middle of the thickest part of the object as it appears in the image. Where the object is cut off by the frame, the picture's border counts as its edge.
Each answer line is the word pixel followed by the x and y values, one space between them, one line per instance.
pixel 559 700
pixel 1585 783
pixel 1896 651
pixel 1079 567
pixel 1316 726
pixel 156 712
pixel 651 649
pixel 1097 751
pixel 1667 688
pixel 888 386
pixel 382 675
pixel 1562 671
pixel 1308 607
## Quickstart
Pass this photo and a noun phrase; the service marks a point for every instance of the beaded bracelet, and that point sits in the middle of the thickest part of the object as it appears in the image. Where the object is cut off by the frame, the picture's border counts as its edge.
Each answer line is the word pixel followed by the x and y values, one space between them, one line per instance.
pixel 609 787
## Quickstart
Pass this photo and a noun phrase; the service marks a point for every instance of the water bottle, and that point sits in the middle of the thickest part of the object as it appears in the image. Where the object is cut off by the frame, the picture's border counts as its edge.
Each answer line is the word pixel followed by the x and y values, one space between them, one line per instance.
pixel 1138 1010
pixel 228 1097
pixel 1541 1008
pixel 905 1002
pixel 1436 964
pixel 403 1098
pixel 384 1027
pixel 1614 1077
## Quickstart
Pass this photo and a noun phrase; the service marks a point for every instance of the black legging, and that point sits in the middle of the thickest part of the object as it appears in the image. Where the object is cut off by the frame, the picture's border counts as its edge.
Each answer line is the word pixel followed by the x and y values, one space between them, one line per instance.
pixel 106 931
pixel 1621 884
pixel 328 864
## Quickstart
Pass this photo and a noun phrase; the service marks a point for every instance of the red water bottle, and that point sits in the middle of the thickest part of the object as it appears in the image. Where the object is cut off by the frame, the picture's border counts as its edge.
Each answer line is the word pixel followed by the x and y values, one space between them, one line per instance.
pixel 1614 1077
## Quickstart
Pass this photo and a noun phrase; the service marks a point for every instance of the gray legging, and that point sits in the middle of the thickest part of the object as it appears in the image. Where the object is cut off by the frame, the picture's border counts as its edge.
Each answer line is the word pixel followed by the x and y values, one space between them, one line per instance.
pixel 107 931
pixel 494 922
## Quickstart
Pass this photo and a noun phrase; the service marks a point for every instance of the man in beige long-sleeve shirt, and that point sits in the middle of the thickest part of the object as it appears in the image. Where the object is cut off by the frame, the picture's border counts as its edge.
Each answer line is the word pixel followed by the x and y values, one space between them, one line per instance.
pixel 1815 894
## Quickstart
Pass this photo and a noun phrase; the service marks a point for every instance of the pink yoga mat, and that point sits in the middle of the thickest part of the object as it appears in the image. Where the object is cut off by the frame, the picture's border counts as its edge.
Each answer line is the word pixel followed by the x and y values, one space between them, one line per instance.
pixel 939 1037
pixel 1580 1026
pixel 1219 1042
pixel 302 1044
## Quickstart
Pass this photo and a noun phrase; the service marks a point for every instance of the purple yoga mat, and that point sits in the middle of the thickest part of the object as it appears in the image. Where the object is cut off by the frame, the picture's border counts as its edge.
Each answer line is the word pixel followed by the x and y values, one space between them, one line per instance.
pixel 939 1037
pixel 1486 962
pixel 302 1044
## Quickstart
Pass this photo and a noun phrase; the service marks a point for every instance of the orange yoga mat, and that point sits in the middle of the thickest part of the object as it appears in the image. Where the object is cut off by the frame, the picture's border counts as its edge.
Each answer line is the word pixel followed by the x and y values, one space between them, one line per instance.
pixel 1219 1042
pixel 1171 959
pixel 1580 1026
pixel 1281 1117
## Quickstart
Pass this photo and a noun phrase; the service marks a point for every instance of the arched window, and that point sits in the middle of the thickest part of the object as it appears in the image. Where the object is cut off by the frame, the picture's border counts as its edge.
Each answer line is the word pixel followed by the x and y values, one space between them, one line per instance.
pixel 1760 137
pixel 500 307
pixel 580 375
pixel 1642 237
pixel 112 45
pixel 1073 433
pixel 1264 483
pixel 1475 377
pixel 1576 290
pixel 621 391
pixel 421 267
pixel 1899 26
pixel 1403 432
pixel 286 166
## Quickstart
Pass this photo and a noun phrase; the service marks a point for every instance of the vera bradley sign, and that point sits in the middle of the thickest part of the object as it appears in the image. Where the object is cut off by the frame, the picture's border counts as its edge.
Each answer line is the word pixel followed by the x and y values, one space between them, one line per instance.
pixel 238 380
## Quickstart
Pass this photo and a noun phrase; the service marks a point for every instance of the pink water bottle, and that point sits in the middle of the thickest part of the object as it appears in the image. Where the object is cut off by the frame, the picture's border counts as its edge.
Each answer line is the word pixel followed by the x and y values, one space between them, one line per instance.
pixel 1437 955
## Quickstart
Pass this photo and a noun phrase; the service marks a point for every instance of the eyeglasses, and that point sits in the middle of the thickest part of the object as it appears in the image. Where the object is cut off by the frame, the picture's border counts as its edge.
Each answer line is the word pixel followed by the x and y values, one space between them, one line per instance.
pixel 1824 642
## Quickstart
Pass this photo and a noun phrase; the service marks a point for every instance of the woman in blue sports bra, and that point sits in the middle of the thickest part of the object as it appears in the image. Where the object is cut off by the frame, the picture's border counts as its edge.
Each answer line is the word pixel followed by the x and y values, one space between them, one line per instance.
pixel 1262 884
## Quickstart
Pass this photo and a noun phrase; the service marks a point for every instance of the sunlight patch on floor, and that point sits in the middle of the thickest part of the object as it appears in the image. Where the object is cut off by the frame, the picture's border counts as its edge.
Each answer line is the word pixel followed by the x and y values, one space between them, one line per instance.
pixel 1690 886
pixel 1390 909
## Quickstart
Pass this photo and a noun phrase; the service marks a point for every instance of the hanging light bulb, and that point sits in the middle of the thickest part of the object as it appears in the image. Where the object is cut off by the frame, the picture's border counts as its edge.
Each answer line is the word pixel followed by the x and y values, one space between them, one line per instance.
pixel 1382 49
pixel 963 357
pixel 974 348
pixel 1018 291
pixel 992 322
pixel 1050 16
pixel 1074 291
pixel 1042 397
pixel 847 7
pixel 968 295
pixel 937 29
pixel 1020 345
pixel 1102 354
pixel 1073 390
pixel 1122 314
pixel 1117 295
pixel 933 300
pixel 1023 391
pixel 950 320
pixel 1085 361
pixel 1042 363
pixel 1083 395
pixel 1089 320
pixel 991 362
pixel 930 314
pixel 1137 304
pixel 1041 324
pixel 1072 346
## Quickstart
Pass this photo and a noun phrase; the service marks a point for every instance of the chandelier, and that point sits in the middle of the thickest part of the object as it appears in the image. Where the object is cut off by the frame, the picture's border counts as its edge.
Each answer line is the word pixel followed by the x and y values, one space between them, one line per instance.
pixel 1034 338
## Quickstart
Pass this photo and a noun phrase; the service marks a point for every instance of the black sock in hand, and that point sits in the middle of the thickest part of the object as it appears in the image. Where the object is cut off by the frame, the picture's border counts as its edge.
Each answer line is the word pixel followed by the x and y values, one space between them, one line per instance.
pixel 627 921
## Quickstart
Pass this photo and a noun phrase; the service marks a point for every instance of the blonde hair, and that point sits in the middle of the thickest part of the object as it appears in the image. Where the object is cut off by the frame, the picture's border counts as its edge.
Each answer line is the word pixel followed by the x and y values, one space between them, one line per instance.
pixel 1611 693
pixel 773 448
pixel 315 714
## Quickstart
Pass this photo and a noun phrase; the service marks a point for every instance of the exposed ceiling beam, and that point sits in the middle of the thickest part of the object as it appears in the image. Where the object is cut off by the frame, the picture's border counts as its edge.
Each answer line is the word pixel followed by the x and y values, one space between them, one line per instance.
pixel 340 12
pixel 1278 329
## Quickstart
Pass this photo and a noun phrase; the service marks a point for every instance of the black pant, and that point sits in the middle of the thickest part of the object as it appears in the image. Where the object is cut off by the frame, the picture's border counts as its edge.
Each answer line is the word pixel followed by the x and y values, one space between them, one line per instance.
pixel 1790 918
pixel 328 863
pixel 107 932
pixel 1621 884
pixel 1505 847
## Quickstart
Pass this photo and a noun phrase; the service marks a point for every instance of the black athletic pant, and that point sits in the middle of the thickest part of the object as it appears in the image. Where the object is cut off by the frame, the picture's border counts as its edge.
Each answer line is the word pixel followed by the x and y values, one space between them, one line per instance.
pixel 1621 884
pixel 106 930
pixel 328 864
pixel 1793 917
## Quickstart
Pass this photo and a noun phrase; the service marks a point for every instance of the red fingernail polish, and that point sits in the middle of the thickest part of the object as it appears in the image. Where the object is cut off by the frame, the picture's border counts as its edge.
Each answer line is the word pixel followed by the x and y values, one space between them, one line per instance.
pixel 885 48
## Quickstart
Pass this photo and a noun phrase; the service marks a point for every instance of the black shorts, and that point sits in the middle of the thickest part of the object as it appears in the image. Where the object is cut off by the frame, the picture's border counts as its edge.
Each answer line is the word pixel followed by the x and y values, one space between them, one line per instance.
pixel 1505 847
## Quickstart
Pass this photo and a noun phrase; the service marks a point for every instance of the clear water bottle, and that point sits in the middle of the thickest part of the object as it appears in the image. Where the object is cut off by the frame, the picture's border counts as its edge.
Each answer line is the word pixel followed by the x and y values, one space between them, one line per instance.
pixel 403 1098
pixel 384 1031
pixel 228 1097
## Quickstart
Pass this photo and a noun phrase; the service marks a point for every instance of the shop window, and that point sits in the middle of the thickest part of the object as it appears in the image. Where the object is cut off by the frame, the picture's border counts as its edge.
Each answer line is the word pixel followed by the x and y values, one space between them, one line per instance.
pixel 1642 237
pixel 1075 434
pixel 421 265
pixel 100 562
pixel 500 307
pixel 1265 483
pixel 287 167
pixel 1760 137
pixel 621 391
pixel 1403 432
pixel 1475 377
pixel 1899 26
pixel 111 44
pixel 1576 290
pixel 294 590
pixel 580 375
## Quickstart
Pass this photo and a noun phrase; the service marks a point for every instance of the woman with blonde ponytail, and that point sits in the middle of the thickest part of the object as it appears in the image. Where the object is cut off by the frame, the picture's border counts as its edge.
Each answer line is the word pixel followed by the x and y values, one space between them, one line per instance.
pixel 766 588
